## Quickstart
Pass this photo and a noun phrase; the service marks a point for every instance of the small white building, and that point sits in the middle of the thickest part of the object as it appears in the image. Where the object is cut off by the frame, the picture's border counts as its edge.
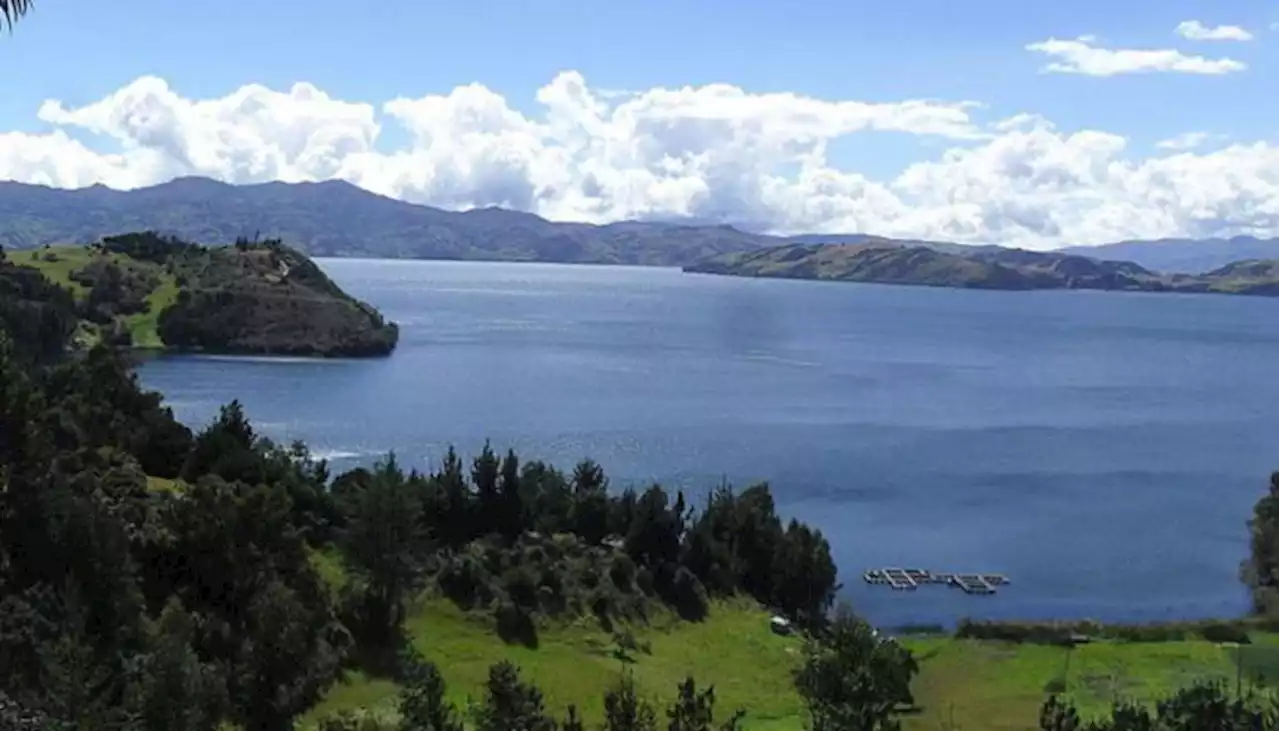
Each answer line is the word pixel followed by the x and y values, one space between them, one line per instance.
pixel 780 625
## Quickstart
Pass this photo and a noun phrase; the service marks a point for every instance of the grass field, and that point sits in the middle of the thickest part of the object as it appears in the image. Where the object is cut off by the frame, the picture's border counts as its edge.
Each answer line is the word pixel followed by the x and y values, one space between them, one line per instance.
pixel 969 684
pixel 996 686
pixel 734 650
pixel 66 260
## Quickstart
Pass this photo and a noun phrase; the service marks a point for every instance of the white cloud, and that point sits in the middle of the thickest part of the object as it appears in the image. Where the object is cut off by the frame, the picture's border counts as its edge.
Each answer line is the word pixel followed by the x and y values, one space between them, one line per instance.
pixel 1188 141
pixel 1080 56
pixel 1196 31
pixel 714 151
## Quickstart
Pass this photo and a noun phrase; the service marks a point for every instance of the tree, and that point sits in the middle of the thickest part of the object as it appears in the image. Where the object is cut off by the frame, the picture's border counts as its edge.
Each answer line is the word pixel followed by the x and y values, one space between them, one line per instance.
pixel 695 711
pixel 11 10
pixel 174 691
pixel 590 502
pixel 484 475
pixel 456 509
pixel 422 703
pixel 804 574
pixel 572 721
pixel 511 510
pixel 1260 570
pixel 510 704
pixel 1200 707
pixel 851 680
pixel 625 710
pixel 384 544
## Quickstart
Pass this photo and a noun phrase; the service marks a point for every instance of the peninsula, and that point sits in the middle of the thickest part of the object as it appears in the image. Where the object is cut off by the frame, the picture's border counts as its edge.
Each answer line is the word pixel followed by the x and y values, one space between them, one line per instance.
pixel 885 261
pixel 148 291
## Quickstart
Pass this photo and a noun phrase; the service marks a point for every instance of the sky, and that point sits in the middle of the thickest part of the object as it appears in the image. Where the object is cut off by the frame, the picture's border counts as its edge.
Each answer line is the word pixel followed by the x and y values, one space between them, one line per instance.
pixel 1032 124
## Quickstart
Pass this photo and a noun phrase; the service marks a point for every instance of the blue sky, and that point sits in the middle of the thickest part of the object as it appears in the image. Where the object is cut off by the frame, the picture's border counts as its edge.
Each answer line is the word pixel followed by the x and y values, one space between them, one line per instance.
pixel 78 51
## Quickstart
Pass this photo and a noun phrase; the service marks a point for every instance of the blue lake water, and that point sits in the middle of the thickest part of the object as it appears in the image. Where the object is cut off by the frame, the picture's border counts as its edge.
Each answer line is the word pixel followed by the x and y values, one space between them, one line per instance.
pixel 1102 449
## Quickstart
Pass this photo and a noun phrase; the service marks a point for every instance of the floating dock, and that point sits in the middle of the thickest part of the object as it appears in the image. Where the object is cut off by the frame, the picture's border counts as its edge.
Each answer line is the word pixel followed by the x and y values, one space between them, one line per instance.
pixel 901 579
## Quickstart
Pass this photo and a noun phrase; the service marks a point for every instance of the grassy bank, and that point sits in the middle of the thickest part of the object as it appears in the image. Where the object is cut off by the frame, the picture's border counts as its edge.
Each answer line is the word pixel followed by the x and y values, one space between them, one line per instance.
pixel 734 650
pixel 990 685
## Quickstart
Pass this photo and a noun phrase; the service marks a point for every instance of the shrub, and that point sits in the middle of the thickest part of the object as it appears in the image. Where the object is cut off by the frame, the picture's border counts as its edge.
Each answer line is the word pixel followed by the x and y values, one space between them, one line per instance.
pixel 1224 632
pixel 515 625
pixel 688 596
pixel 644 581
pixel 464 580
pixel 622 571
pixel 355 721
pixel 521 585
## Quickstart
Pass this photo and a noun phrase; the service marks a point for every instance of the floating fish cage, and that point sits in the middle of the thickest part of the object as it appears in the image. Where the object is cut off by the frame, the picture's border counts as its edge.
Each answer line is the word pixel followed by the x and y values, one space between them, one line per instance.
pixel 901 579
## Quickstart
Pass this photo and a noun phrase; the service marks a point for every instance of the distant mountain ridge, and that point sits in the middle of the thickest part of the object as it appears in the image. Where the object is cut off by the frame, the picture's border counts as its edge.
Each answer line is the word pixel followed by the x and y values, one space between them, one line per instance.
pixel 1189 256
pixel 889 262
pixel 336 218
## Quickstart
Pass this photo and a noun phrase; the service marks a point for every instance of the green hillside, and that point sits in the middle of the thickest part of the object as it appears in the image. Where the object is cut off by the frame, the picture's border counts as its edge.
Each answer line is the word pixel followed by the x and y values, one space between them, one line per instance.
pixel 733 649
pixel 149 292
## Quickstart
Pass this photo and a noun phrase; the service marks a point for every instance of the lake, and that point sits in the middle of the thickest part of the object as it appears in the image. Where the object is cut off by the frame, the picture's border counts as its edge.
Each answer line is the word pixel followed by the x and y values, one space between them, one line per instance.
pixel 1102 449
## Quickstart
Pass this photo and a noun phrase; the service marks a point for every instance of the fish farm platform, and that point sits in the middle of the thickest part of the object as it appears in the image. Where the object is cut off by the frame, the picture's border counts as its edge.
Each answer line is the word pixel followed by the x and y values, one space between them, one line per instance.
pixel 910 579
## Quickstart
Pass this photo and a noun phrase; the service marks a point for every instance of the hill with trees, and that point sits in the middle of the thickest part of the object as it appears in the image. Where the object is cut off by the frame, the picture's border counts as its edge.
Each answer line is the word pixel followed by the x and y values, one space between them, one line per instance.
pixel 886 261
pixel 148 291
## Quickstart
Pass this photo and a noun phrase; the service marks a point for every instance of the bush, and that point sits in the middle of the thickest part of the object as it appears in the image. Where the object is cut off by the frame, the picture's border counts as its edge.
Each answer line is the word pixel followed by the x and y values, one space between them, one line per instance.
pixel 521 585
pixel 644 581
pixel 355 721
pixel 1225 632
pixel 1054 633
pixel 688 596
pixel 622 571
pixel 515 625
pixel 464 580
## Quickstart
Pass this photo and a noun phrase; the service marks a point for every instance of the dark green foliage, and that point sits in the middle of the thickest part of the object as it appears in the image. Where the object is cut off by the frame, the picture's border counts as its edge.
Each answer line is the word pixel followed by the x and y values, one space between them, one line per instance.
pixel 38 316
pixel 113 289
pixel 267 298
pixel 384 543
pixel 99 400
pixel 1061 633
pixel 1259 571
pixel 572 721
pixel 147 246
pixel 625 710
pixel 590 512
pixel 695 711
pixel 423 706
pixel 174 690
pixel 1201 707
pixel 515 624
pixel 687 594
pixel 851 680
pixel 510 704
pixel 738 543
pixel 1057 716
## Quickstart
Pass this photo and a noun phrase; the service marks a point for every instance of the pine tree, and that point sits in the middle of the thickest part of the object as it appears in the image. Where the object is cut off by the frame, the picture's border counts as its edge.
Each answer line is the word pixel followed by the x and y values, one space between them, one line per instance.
pixel 422 698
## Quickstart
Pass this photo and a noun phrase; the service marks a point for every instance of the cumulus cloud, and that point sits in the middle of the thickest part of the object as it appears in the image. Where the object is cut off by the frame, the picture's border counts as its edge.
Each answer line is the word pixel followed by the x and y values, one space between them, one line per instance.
pixel 1081 56
pixel 1196 31
pixel 716 151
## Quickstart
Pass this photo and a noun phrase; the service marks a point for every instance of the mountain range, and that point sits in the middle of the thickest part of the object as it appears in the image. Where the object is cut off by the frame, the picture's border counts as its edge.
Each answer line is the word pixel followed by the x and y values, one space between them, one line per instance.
pixel 336 218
